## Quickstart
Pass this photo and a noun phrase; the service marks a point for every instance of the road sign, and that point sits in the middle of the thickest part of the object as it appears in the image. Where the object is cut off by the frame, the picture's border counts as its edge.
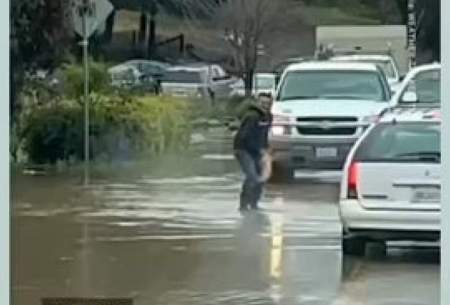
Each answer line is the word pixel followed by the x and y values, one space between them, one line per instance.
pixel 96 15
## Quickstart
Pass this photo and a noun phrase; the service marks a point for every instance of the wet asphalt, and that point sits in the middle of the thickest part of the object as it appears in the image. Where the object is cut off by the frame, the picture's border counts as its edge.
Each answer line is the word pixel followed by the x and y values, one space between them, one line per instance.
pixel 169 232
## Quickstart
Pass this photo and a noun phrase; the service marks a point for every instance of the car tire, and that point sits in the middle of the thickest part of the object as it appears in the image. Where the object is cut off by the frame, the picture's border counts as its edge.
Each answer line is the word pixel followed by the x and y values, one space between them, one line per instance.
pixel 355 246
pixel 281 173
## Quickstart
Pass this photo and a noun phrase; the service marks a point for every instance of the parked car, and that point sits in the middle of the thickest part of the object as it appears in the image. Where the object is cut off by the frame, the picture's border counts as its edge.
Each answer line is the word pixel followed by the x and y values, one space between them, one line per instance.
pixel 390 188
pixel 262 83
pixel 198 81
pixel 386 62
pixel 320 110
pixel 148 67
pixel 124 76
pixel 421 87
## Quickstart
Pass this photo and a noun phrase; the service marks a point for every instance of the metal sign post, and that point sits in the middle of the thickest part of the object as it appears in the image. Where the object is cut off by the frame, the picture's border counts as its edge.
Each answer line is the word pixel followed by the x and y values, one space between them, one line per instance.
pixel 412 32
pixel 88 17
pixel 85 45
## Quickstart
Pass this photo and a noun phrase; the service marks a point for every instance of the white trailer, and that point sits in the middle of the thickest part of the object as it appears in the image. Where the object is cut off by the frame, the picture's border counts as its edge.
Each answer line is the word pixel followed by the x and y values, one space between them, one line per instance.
pixel 371 39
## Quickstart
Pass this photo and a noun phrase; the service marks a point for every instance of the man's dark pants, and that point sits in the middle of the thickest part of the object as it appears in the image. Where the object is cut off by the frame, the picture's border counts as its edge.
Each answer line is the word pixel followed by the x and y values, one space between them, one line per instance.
pixel 253 187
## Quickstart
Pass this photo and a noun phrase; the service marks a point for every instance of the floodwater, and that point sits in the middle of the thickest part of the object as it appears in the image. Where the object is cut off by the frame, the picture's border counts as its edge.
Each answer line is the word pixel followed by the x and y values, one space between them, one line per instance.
pixel 168 232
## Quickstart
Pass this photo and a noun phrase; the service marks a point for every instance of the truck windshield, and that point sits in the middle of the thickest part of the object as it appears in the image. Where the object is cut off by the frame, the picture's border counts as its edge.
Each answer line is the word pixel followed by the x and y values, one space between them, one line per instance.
pixel 264 82
pixel 357 85
pixel 260 82
pixel 386 65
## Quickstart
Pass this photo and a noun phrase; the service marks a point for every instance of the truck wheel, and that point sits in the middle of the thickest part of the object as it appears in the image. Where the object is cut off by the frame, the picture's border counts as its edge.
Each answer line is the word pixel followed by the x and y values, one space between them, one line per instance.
pixel 355 246
pixel 377 249
pixel 281 173
pixel 212 94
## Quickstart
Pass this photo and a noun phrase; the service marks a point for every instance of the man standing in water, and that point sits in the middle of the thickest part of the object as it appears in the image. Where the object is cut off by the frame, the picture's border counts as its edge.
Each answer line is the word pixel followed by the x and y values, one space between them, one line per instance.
pixel 250 145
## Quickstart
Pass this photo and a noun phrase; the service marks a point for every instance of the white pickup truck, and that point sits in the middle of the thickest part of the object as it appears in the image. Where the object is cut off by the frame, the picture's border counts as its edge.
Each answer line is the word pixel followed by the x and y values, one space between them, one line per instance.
pixel 320 110
pixel 385 61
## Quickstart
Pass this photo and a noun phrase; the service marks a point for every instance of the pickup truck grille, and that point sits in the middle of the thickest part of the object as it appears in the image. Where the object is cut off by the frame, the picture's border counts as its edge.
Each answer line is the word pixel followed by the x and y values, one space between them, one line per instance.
pixel 323 129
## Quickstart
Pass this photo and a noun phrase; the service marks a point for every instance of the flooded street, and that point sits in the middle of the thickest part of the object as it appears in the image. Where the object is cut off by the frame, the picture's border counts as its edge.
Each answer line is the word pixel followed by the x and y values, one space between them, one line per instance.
pixel 170 233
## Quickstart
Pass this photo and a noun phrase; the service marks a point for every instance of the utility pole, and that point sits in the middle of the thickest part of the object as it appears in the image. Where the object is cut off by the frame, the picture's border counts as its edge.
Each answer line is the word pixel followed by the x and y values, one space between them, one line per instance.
pixel 153 11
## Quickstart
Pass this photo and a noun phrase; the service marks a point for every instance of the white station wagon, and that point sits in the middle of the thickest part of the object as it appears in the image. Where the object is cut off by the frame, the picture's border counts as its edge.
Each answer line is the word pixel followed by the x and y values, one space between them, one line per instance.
pixel 391 184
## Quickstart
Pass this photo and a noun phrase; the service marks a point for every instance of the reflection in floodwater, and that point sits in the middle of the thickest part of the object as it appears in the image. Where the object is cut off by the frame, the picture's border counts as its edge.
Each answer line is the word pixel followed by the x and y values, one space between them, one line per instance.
pixel 176 237
pixel 276 253
pixel 155 239
pixel 277 242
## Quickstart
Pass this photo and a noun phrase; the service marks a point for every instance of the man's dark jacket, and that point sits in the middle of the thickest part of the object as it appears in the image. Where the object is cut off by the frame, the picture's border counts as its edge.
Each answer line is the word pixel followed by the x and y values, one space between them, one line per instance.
pixel 252 135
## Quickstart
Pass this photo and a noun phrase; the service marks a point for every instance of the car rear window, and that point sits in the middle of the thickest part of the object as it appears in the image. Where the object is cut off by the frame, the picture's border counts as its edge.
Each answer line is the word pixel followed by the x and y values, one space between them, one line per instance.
pixel 182 77
pixel 123 75
pixel 401 142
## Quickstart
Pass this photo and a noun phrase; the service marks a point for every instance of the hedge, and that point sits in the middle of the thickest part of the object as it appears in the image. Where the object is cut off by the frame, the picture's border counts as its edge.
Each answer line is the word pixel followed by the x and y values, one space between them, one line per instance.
pixel 122 127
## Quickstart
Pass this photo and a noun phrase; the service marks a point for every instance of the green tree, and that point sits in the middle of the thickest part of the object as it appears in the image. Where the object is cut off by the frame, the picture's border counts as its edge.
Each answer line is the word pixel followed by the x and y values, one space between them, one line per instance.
pixel 40 36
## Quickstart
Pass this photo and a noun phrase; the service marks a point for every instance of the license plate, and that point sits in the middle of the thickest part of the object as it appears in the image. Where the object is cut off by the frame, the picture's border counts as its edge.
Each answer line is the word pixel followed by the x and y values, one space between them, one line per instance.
pixel 426 195
pixel 326 152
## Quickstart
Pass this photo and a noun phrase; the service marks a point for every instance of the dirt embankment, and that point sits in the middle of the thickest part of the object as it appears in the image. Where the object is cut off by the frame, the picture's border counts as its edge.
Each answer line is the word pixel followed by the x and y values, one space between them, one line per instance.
pixel 296 37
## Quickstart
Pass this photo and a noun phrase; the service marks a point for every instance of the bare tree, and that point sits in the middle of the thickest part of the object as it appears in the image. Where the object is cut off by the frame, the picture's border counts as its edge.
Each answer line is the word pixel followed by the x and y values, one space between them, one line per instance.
pixel 171 7
pixel 247 24
pixel 186 9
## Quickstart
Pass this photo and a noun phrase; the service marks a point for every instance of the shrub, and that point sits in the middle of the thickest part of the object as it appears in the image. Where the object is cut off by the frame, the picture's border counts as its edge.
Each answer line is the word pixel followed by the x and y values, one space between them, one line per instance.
pixel 73 74
pixel 121 127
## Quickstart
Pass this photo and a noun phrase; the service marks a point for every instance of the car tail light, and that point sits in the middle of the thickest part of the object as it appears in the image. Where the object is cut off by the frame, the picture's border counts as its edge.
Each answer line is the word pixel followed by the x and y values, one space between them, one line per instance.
pixel 433 115
pixel 353 181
